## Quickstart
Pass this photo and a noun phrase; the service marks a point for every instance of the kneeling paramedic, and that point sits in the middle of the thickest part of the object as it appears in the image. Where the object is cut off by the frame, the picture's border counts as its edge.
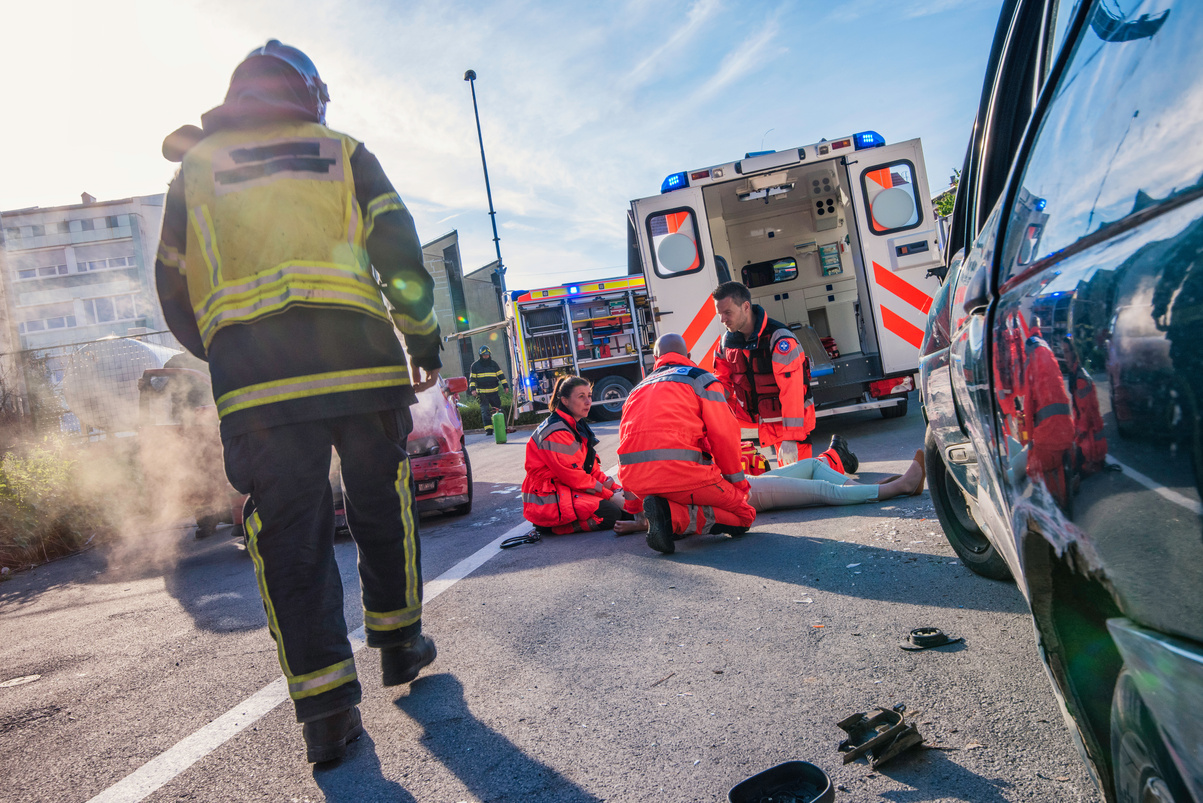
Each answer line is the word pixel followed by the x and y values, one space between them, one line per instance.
pixel 767 377
pixel 679 449
pixel 272 228
pixel 565 490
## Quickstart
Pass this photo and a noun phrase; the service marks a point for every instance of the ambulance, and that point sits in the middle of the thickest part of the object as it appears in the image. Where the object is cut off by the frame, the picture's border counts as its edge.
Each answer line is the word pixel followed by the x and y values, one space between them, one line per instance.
pixel 837 240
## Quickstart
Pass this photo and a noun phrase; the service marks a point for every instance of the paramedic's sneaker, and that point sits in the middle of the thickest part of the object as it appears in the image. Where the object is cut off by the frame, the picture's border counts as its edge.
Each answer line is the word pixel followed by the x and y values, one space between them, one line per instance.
pixel 402 663
pixel 839 445
pixel 728 529
pixel 659 525
pixel 326 739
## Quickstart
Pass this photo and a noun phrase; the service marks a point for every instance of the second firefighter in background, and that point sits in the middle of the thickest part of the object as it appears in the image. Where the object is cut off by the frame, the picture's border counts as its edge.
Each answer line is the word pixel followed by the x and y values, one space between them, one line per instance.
pixel 486 380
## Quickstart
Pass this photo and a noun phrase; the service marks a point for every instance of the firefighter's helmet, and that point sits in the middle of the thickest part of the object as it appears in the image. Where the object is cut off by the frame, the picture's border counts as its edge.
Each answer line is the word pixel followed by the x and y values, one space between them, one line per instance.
pixel 309 91
pixel 483 351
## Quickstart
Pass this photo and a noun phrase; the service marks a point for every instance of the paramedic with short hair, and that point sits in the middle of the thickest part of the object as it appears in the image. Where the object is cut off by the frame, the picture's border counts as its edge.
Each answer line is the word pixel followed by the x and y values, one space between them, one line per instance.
pixel 767 377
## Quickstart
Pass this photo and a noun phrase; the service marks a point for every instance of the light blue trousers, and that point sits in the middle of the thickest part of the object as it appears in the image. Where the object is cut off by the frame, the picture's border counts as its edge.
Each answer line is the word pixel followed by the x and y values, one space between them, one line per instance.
pixel 807 482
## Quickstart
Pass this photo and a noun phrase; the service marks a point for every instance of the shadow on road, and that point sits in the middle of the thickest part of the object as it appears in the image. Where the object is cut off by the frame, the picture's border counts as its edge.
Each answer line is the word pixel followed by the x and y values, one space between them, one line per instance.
pixel 488 764
pixel 933 775
pixel 359 778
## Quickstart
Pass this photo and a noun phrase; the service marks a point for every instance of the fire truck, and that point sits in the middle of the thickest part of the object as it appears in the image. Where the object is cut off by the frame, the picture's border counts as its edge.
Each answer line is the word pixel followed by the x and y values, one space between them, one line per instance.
pixel 837 240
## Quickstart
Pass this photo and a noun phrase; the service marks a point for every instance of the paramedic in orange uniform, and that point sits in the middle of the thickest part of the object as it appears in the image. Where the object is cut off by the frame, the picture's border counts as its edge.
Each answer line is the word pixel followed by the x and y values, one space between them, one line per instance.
pixel 565 490
pixel 767 377
pixel 679 449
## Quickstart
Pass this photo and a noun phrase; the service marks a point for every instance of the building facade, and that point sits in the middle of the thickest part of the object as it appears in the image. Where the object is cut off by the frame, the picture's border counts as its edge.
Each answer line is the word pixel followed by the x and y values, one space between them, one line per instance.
pixel 79 273
pixel 443 264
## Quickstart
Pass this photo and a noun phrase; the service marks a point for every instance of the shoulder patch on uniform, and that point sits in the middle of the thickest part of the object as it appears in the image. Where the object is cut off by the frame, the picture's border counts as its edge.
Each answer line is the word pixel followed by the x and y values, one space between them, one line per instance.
pixel 783 346
pixel 682 370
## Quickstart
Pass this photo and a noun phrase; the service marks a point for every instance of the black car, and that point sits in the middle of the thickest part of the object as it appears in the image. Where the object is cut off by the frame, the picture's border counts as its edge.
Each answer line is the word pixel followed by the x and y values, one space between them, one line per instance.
pixel 1062 369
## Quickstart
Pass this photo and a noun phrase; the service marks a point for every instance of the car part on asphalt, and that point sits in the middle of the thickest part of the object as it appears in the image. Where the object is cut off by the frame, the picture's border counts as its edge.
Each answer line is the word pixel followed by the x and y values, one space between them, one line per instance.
pixel 925 638
pixel 791 782
pixel 532 537
pixel 882 736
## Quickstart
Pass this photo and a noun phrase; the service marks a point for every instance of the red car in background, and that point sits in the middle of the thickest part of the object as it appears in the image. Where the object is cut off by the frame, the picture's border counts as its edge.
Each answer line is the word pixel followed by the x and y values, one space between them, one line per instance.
pixel 438 460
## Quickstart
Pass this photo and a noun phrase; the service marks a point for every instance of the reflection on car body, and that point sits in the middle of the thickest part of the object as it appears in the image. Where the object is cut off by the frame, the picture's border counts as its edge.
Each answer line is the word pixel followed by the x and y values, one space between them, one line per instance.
pixel 1062 370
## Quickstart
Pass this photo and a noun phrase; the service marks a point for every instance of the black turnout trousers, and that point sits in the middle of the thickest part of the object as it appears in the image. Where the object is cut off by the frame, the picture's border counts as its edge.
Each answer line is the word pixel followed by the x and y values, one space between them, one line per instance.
pixel 290 536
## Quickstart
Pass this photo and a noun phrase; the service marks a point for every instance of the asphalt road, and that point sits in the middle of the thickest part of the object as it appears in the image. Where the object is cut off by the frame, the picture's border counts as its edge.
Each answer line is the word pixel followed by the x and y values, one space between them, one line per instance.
pixel 582 668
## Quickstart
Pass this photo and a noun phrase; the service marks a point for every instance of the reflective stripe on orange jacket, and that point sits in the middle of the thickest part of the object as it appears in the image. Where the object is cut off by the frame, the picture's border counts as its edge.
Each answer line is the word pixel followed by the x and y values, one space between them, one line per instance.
pixel 677 432
pixel 768 378
pixel 564 483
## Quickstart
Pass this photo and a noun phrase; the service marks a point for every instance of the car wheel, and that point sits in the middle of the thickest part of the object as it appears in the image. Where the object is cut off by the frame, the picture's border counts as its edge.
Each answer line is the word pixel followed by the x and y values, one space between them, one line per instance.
pixel 897 411
pixel 608 397
pixel 962 532
pixel 1141 764
pixel 466 507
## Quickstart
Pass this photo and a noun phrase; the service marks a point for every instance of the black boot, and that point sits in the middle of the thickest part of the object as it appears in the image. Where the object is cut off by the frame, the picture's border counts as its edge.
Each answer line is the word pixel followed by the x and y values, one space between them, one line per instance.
pixel 659 525
pixel 402 663
pixel 728 529
pixel 326 739
pixel 840 446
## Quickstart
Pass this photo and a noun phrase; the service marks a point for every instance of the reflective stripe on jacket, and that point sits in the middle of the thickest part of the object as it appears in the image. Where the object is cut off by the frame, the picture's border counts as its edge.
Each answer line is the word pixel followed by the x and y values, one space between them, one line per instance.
pixel 768 380
pixel 273 222
pixel 678 432
pixel 563 483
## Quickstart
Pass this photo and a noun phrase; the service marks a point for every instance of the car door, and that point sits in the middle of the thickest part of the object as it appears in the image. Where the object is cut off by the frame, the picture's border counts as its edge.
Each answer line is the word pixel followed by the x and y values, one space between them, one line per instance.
pixel 1097 384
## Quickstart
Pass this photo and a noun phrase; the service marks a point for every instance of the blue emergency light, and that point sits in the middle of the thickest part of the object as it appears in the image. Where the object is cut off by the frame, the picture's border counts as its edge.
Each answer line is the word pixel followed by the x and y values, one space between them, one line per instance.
pixel 573 290
pixel 1041 203
pixel 677 181
pixel 868 139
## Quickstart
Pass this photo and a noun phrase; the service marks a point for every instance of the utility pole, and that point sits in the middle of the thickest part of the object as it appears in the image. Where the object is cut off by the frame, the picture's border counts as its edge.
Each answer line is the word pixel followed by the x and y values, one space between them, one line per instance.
pixel 499 273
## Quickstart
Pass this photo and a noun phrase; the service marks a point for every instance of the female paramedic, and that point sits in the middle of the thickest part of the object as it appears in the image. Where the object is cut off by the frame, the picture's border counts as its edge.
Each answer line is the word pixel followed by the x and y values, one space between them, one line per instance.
pixel 565 490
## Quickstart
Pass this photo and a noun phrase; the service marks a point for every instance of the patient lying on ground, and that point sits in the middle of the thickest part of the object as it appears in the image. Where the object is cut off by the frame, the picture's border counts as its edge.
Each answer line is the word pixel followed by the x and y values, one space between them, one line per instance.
pixel 811 482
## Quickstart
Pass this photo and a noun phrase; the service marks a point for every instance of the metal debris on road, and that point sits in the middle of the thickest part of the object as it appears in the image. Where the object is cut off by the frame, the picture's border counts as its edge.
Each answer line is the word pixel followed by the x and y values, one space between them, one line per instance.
pixel 661 680
pixel 881 736
pixel 925 638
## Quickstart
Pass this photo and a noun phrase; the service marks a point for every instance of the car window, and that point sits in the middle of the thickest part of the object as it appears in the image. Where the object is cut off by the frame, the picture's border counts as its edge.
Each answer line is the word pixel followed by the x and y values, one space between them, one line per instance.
pixel 1062 15
pixel 1118 135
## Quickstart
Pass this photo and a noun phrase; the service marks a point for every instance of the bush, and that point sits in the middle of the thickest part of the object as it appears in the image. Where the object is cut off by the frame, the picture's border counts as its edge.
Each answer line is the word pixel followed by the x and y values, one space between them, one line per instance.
pixel 469 410
pixel 43 513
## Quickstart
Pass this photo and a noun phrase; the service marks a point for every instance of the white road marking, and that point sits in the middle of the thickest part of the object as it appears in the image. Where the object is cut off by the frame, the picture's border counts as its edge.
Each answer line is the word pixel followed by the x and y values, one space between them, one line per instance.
pixel 166 766
pixel 1158 488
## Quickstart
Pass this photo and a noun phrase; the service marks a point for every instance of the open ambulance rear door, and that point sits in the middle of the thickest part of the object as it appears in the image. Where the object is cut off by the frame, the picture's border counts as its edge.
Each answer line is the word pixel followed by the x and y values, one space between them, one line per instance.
pixel 899 242
pixel 678 261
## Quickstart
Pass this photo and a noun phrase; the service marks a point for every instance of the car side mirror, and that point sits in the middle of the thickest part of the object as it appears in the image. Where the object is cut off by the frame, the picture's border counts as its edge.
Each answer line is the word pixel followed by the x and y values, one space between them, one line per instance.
pixel 457 385
pixel 977 290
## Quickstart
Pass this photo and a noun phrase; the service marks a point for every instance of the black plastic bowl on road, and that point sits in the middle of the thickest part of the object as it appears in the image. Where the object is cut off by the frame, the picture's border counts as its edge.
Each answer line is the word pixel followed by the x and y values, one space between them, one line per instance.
pixel 791 782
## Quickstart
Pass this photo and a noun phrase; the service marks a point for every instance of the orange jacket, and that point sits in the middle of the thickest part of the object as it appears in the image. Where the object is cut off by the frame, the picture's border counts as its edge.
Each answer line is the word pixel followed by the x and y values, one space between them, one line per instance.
pixel 1088 421
pixel 767 378
pixel 1048 427
pixel 677 432
pixel 564 483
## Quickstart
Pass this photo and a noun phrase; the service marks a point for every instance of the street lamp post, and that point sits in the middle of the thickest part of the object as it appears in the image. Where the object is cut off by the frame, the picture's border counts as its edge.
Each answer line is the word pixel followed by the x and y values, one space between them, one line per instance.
pixel 499 273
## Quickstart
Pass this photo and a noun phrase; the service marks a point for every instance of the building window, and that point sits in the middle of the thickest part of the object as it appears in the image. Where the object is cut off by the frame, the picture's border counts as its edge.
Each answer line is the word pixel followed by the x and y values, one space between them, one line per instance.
pixel 110 308
pixel 63 226
pixel 112 221
pixel 36 273
pixel 86 225
pixel 13 233
pixel 102 264
pixel 38 230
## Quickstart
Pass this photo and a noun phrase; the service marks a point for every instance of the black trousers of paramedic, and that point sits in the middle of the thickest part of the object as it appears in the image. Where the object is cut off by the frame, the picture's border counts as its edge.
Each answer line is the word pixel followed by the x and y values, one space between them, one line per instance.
pixel 488 403
pixel 290 536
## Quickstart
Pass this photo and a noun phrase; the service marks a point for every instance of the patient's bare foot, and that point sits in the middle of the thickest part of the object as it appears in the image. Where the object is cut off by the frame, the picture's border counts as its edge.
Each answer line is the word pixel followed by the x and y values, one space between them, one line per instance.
pixel 908 484
pixel 639 525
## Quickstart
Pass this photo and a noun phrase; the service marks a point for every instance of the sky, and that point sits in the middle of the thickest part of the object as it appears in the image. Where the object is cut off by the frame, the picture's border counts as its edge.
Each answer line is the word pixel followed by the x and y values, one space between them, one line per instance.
pixel 583 107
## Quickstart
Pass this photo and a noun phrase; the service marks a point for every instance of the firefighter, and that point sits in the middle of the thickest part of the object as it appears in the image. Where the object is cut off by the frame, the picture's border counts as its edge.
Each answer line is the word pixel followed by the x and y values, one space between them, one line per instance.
pixel 679 449
pixel 272 229
pixel 485 381
pixel 767 377
pixel 565 490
